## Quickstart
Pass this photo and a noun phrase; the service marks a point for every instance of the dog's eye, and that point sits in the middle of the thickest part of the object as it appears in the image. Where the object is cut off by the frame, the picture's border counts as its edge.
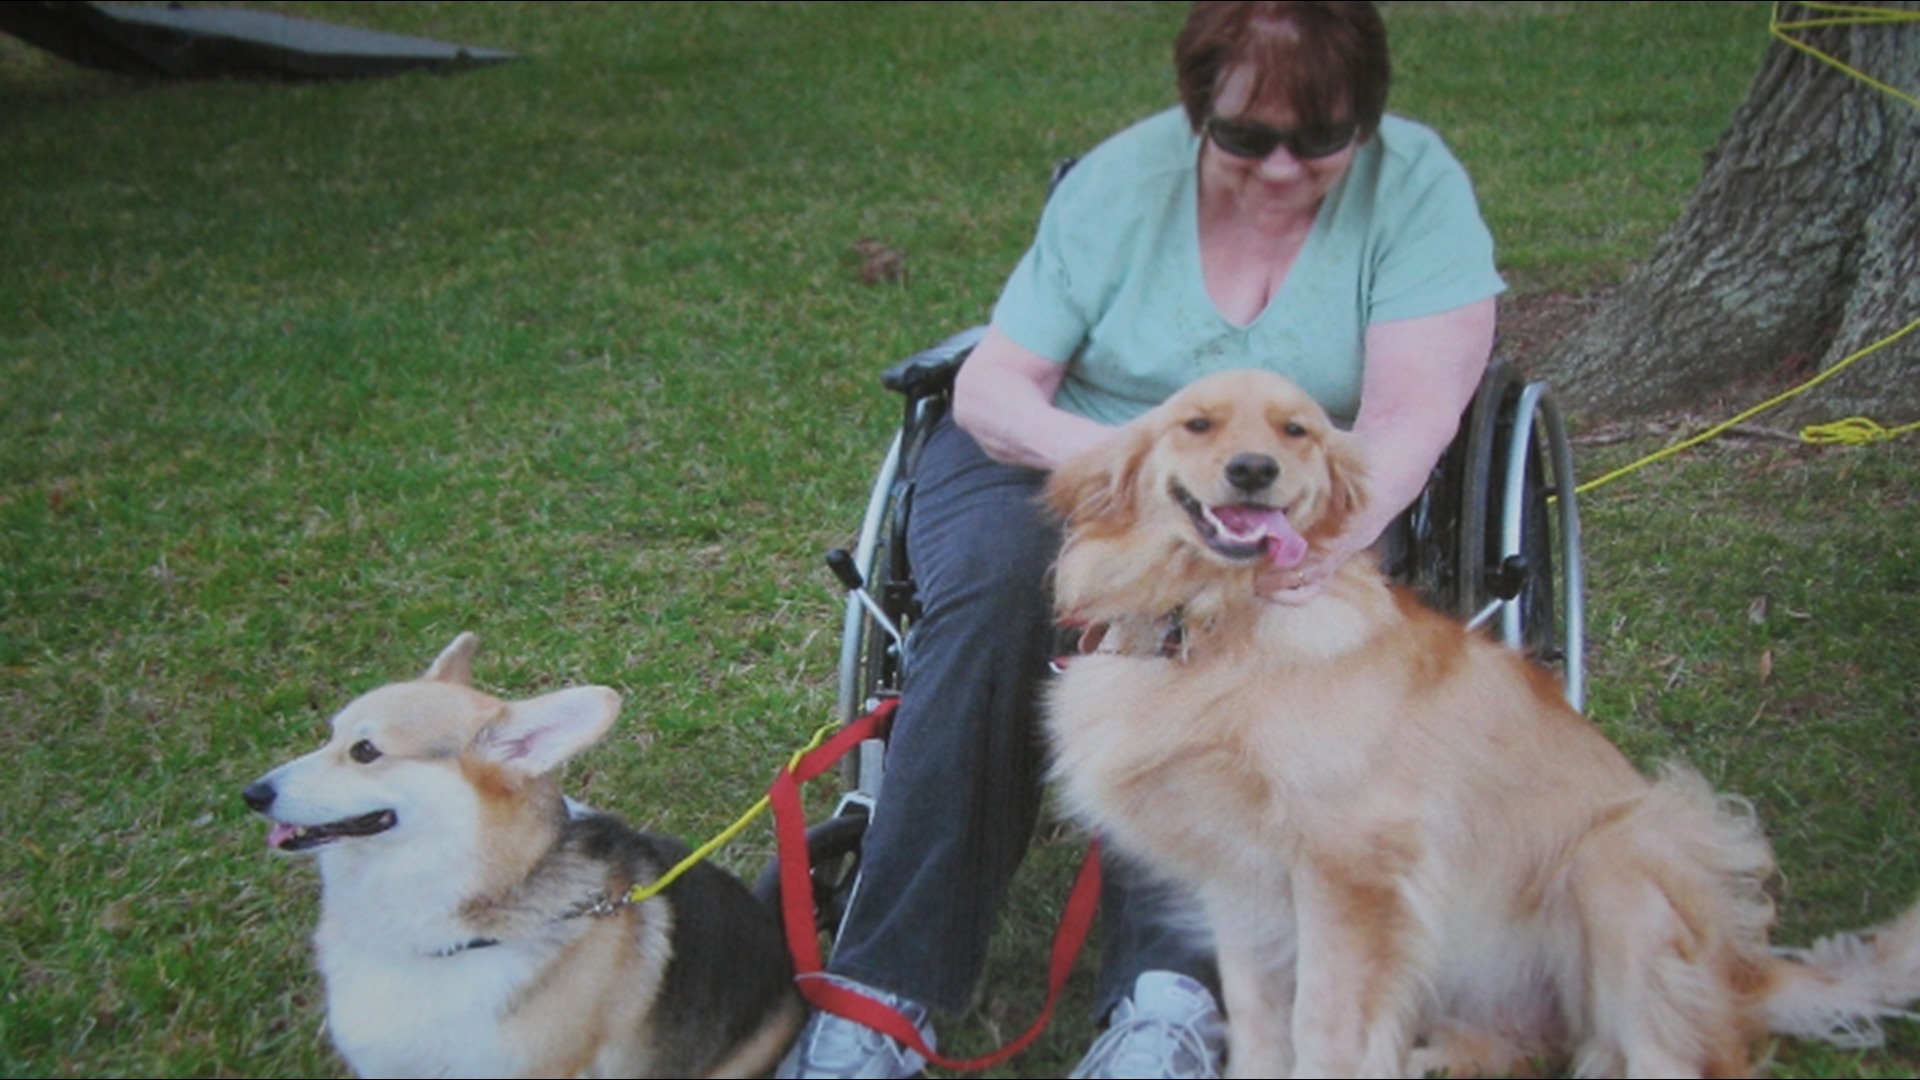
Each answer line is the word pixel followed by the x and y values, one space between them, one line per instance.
pixel 1294 429
pixel 364 752
pixel 1199 425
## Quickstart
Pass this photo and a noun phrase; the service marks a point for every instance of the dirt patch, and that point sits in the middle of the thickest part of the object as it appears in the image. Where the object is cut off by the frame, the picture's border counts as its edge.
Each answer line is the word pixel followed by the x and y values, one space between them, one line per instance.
pixel 1532 325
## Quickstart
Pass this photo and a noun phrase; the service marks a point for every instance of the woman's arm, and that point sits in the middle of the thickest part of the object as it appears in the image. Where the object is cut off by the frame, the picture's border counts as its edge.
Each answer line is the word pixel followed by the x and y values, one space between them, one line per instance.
pixel 1420 376
pixel 1003 397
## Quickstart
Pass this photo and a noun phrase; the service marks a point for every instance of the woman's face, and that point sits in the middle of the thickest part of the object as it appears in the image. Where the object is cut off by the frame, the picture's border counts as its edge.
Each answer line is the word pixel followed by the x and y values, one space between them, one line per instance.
pixel 1278 186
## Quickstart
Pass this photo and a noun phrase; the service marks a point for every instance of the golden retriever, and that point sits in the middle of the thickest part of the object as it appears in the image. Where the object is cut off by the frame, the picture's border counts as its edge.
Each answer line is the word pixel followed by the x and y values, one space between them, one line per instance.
pixel 1411 853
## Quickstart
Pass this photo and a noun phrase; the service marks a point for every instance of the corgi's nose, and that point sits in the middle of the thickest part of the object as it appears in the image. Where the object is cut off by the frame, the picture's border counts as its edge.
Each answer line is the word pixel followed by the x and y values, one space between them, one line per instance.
pixel 259 796
pixel 1252 472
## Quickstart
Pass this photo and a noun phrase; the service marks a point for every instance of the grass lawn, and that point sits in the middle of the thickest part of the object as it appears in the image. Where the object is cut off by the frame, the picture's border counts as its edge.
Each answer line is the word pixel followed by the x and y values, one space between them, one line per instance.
pixel 297 381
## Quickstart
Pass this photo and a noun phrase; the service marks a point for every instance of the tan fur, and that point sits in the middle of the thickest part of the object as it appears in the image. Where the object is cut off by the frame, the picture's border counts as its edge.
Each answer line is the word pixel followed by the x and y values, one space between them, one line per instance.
pixel 1411 852
pixel 457 941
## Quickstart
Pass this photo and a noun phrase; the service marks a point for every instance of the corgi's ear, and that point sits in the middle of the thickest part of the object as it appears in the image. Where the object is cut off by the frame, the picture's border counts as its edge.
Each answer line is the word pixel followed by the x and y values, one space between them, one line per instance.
pixel 455 662
pixel 1099 484
pixel 534 736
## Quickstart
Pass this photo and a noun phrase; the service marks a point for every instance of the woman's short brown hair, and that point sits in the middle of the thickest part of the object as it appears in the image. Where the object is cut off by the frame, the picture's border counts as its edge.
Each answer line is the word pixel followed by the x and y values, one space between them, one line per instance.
pixel 1326 61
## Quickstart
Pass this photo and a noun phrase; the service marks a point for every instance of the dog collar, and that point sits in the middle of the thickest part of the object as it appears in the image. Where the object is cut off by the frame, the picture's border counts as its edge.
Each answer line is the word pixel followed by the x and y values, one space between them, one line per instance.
pixel 599 905
pixel 1165 637
pixel 466 946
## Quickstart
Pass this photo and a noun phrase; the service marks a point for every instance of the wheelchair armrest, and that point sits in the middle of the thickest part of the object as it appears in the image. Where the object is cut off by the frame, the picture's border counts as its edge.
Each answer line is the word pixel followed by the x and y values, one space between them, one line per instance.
pixel 931 371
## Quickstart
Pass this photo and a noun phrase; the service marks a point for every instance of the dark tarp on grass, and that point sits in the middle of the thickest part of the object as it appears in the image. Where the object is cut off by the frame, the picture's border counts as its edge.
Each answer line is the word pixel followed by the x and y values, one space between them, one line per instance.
pixel 186 43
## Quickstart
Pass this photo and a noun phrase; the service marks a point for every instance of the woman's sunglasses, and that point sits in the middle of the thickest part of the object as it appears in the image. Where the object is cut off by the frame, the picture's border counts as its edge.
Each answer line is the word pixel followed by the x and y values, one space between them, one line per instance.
pixel 1252 139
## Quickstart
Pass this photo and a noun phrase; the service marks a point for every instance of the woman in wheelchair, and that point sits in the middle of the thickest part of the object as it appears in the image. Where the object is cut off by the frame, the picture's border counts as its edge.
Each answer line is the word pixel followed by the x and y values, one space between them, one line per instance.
pixel 1278 219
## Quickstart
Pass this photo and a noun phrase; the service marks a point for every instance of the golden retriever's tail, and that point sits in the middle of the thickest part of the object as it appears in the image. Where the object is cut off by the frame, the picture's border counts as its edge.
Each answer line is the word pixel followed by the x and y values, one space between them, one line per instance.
pixel 1840 989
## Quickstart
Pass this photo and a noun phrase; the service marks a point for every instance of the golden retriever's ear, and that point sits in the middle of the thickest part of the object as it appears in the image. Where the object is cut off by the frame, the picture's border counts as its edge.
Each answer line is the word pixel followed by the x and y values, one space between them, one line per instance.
pixel 1347 482
pixel 1098 485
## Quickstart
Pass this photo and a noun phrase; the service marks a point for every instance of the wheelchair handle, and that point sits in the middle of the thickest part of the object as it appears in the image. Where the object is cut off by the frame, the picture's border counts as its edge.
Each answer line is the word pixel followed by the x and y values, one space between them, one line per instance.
pixel 1511 577
pixel 840 561
pixel 1505 583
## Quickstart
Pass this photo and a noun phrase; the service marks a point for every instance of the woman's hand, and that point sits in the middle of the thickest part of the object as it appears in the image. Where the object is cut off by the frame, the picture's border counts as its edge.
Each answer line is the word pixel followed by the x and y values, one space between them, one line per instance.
pixel 1302 582
pixel 1420 376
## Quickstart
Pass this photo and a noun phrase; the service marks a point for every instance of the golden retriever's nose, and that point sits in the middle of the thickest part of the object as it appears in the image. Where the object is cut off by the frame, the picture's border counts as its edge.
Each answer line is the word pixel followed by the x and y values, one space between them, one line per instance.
pixel 1252 472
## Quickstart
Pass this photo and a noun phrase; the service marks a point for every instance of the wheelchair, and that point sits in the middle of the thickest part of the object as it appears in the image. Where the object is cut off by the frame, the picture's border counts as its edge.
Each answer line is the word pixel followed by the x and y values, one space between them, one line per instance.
pixel 1494 540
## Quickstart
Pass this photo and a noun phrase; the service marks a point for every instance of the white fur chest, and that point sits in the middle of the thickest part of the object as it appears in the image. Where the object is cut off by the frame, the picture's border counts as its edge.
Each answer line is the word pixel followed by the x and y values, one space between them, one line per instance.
pixel 1173 776
pixel 410 991
pixel 422 1015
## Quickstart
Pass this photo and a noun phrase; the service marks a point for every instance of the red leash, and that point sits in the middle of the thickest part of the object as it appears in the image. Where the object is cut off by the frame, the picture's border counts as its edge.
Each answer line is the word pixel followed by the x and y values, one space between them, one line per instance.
pixel 803 940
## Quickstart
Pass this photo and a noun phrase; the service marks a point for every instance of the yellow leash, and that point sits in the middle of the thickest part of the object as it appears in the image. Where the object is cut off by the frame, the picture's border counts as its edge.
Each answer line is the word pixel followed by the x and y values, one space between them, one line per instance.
pixel 640 893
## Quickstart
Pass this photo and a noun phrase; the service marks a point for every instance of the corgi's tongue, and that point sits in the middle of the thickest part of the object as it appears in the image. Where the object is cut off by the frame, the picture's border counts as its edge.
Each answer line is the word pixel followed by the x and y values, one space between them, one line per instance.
pixel 1284 545
pixel 283 837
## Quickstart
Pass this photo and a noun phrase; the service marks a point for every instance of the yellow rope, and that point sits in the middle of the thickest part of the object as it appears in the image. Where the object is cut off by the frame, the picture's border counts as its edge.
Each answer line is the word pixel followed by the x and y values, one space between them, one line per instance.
pixel 1855 431
pixel 646 892
pixel 1852 16
pixel 1818 434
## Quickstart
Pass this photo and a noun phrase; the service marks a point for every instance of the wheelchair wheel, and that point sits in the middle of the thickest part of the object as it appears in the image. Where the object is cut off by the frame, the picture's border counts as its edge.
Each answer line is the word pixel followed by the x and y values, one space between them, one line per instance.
pixel 870 660
pixel 881 608
pixel 1498 524
pixel 1489 461
pixel 1447 528
pixel 833 849
pixel 1540 507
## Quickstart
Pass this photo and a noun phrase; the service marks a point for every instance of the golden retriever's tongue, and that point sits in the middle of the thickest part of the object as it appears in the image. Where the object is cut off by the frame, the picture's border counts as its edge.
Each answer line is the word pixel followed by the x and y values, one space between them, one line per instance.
pixel 1284 545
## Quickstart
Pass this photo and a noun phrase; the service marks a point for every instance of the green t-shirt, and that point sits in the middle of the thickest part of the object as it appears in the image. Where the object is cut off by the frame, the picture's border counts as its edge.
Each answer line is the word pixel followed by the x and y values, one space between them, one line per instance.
pixel 1112 286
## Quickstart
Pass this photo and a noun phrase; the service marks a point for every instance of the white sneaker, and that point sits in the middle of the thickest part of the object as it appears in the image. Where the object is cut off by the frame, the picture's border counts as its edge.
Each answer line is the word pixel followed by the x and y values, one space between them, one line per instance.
pixel 835 1048
pixel 1169 1028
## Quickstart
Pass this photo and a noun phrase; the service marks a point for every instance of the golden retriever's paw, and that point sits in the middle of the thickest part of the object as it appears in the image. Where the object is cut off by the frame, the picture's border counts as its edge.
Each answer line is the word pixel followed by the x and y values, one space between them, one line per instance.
pixel 1454 1050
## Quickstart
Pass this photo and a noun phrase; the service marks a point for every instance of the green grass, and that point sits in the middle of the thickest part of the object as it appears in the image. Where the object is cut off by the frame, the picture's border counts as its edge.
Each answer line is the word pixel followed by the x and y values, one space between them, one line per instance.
pixel 1752 610
pixel 298 381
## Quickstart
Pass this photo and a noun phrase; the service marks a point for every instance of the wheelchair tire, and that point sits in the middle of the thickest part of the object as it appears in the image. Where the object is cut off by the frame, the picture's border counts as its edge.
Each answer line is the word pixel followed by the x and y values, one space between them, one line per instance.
pixel 1454 535
pixel 833 849
pixel 1475 531
pixel 1539 627
pixel 869 660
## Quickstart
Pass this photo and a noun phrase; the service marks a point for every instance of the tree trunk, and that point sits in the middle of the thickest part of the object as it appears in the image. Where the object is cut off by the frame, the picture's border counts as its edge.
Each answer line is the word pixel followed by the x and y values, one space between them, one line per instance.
pixel 1799 247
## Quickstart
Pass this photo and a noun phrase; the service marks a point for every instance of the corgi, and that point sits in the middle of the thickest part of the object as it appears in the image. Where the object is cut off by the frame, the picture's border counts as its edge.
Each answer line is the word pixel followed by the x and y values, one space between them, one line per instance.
pixel 471 926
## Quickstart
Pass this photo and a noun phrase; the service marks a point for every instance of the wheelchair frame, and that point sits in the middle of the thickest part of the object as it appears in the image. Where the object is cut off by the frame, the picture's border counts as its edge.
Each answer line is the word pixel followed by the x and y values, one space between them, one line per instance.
pixel 881 608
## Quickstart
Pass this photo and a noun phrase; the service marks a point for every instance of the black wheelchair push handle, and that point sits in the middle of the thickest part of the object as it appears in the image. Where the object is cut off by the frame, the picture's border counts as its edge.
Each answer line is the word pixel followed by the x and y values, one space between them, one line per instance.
pixel 840 561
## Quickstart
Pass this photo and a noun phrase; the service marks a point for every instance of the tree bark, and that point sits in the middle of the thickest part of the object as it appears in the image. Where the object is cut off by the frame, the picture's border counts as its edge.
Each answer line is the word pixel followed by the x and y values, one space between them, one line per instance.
pixel 1800 246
